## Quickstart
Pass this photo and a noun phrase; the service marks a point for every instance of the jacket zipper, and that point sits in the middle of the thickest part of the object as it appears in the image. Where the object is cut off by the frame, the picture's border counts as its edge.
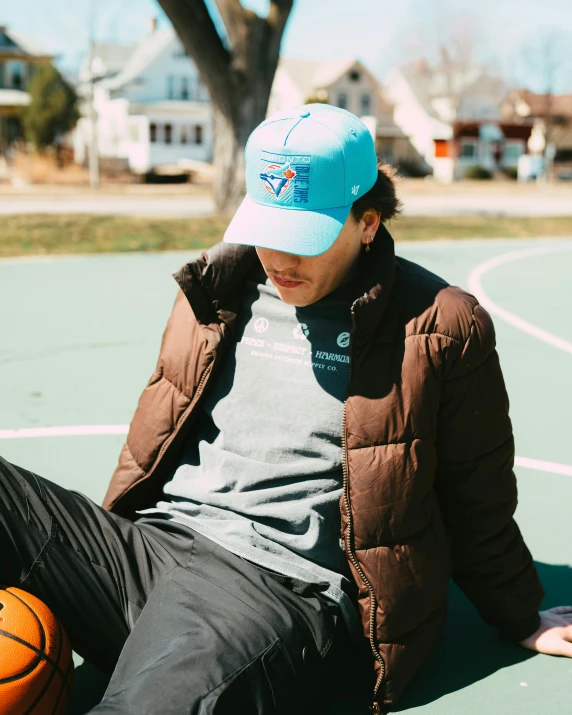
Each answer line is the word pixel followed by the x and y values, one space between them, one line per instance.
pixel 375 707
pixel 206 372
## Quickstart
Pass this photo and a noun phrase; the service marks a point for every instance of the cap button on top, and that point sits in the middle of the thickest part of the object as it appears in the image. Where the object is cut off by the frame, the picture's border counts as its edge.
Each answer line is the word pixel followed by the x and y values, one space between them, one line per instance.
pixel 305 114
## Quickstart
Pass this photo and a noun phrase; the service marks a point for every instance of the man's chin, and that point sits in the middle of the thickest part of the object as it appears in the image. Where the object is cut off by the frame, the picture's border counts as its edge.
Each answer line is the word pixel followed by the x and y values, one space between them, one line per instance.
pixel 288 297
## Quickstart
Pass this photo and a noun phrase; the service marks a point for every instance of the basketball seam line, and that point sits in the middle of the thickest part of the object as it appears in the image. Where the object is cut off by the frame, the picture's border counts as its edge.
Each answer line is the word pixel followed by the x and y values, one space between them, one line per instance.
pixel 48 682
pixel 33 666
pixel 42 655
pixel 41 652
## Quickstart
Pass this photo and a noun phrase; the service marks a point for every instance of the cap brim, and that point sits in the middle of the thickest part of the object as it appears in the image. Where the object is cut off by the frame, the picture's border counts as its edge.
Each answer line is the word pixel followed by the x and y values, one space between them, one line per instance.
pixel 301 232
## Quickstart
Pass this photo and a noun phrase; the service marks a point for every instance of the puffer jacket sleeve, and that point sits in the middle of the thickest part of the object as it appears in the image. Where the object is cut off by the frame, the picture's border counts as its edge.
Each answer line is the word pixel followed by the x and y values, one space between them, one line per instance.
pixel 477 489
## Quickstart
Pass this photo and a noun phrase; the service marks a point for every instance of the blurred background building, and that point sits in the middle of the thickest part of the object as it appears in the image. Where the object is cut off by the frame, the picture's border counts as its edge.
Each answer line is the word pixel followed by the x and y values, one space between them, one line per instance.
pixel 18 60
pixel 144 109
pixel 152 108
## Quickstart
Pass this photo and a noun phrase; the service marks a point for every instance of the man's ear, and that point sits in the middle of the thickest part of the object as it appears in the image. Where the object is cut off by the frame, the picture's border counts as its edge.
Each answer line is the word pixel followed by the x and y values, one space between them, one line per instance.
pixel 371 220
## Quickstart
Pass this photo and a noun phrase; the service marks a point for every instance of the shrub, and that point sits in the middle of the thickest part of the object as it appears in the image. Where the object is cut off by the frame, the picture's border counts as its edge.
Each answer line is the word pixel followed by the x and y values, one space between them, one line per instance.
pixel 53 109
pixel 410 168
pixel 510 172
pixel 478 172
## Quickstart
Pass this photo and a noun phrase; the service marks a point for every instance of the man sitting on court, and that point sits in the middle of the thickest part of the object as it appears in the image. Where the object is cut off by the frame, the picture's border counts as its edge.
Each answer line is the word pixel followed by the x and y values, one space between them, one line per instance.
pixel 324 442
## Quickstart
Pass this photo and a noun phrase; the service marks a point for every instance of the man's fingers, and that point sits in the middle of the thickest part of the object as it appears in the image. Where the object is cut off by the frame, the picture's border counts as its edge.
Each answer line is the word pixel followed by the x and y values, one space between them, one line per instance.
pixel 567 633
pixel 566 648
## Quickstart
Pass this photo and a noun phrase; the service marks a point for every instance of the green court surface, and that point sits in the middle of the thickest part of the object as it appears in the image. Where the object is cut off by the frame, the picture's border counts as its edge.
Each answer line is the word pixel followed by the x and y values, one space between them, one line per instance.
pixel 80 337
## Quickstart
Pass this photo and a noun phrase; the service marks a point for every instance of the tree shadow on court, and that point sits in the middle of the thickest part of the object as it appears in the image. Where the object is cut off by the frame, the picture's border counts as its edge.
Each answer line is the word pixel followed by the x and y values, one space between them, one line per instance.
pixel 468 651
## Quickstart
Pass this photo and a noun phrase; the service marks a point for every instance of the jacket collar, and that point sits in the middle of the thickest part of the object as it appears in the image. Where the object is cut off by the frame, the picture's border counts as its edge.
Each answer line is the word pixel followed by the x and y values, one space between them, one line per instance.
pixel 378 270
pixel 213 284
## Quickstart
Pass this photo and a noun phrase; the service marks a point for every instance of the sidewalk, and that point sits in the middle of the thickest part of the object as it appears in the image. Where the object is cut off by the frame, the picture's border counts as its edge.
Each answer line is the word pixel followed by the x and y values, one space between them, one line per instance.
pixel 420 198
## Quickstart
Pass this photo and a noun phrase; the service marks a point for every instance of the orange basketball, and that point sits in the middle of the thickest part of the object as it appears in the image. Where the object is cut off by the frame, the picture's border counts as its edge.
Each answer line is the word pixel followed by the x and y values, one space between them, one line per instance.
pixel 36 666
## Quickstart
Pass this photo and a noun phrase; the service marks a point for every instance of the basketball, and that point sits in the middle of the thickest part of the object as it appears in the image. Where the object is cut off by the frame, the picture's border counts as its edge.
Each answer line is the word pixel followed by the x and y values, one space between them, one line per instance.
pixel 36 666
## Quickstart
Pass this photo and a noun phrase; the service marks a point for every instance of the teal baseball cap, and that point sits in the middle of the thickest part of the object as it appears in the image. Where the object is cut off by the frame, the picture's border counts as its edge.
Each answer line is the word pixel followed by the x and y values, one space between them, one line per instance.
pixel 305 167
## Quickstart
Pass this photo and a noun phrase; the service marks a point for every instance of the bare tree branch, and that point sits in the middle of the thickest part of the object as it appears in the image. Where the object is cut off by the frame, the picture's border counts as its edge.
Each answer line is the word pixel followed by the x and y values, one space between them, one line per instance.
pixel 278 16
pixel 236 19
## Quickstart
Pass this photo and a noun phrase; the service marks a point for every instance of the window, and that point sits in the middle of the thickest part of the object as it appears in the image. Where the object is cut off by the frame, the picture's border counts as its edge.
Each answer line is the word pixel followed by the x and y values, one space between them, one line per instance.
pixel 202 91
pixel 153 133
pixel 170 87
pixel 354 76
pixel 512 151
pixel 168 133
pixel 342 100
pixel 198 134
pixel 468 150
pixel 1 74
pixel 15 71
pixel 441 149
pixel 365 104
pixel 184 88
pixel 184 135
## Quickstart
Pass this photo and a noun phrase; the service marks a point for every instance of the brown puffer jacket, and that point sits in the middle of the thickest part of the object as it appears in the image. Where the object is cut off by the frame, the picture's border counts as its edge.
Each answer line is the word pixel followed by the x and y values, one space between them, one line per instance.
pixel 429 490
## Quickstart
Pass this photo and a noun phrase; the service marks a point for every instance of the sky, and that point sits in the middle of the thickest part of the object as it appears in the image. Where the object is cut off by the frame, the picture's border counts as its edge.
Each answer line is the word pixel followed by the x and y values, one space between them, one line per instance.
pixel 509 36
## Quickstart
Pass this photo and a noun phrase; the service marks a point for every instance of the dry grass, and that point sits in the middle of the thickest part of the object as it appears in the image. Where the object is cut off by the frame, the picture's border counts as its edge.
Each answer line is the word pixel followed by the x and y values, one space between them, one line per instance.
pixel 26 235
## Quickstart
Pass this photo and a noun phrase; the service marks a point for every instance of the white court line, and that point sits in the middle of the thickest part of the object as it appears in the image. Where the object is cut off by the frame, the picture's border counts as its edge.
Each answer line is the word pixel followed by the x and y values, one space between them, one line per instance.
pixel 74 431
pixel 98 430
pixel 477 289
pixel 542 466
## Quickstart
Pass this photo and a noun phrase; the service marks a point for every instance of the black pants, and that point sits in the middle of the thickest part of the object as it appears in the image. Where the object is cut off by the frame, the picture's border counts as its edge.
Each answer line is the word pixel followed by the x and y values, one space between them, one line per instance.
pixel 184 625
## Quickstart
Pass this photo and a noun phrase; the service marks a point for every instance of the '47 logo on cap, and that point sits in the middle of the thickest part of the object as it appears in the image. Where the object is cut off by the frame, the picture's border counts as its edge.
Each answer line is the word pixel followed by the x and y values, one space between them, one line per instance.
pixel 355 189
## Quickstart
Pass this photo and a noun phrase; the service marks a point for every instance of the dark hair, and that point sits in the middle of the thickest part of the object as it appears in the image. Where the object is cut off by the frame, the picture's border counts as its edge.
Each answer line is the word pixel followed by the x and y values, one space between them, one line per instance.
pixel 381 197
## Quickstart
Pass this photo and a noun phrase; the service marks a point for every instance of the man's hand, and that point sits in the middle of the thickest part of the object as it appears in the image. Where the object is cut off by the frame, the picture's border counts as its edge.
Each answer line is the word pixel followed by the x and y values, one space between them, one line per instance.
pixel 554 635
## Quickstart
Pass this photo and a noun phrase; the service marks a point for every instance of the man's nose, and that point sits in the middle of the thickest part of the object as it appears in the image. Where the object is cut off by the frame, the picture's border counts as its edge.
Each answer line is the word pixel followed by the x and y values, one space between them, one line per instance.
pixel 283 261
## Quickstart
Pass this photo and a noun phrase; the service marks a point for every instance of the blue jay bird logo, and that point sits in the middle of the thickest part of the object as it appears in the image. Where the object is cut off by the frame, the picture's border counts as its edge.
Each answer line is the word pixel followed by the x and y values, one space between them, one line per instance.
pixel 276 179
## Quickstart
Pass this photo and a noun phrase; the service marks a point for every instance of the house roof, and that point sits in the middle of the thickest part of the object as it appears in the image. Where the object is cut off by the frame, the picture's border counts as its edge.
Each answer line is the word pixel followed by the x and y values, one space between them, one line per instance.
pixel 451 81
pixel 560 104
pixel 145 52
pixel 20 46
pixel 310 75
pixel 113 55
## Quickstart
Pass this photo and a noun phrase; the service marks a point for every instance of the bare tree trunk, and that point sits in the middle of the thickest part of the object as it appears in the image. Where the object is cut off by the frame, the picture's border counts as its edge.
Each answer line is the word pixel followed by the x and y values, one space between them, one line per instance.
pixel 239 78
pixel 230 137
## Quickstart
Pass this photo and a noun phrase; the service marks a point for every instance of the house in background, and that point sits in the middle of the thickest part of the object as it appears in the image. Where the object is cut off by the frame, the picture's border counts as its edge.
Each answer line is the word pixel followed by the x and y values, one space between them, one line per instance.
pixel 551 116
pixel 452 114
pixel 107 60
pixel 344 83
pixel 151 111
pixel 18 59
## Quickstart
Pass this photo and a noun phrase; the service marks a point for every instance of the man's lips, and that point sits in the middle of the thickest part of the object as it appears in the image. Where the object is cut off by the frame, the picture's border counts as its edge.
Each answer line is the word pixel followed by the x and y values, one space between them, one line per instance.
pixel 285 283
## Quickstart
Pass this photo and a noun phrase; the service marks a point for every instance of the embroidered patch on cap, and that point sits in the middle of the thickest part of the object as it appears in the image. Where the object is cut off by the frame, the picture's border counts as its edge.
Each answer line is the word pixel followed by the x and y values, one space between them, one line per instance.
pixel 285 177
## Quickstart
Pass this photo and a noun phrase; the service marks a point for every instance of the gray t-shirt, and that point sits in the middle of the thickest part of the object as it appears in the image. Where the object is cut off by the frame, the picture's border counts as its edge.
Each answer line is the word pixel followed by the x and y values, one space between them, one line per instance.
pixel 262 475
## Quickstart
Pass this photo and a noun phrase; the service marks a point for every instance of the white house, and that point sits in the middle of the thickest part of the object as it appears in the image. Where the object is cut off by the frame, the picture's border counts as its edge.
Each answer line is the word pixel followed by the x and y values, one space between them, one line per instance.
pixel 152 111
pixel 344 83
pixel 452 114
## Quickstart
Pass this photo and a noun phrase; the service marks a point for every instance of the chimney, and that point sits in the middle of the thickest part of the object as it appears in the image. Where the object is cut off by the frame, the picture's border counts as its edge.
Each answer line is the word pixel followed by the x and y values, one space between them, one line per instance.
pixel 153 24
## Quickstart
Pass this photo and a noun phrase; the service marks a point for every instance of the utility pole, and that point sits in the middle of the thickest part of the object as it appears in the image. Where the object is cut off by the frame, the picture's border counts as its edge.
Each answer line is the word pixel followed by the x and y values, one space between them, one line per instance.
pixel 93 149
